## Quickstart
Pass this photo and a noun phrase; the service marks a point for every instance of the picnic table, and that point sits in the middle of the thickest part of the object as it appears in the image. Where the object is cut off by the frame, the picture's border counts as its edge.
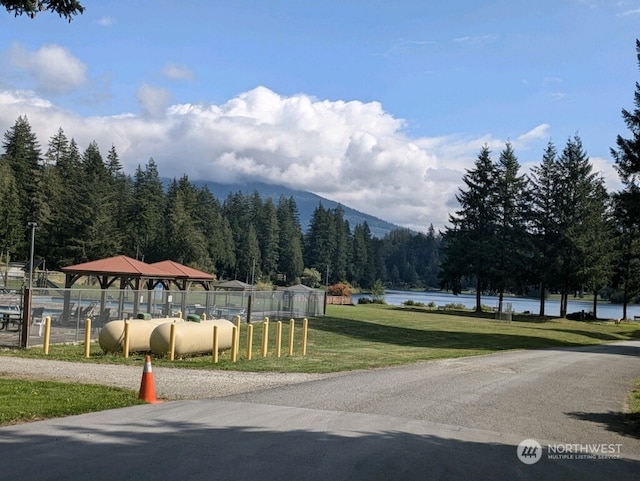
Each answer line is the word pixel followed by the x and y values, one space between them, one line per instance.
pixel 10 315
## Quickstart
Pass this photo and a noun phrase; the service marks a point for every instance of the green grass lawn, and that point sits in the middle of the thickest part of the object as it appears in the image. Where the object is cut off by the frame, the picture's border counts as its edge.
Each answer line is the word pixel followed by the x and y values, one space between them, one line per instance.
pixel 348 338
pixel 369 336
pixel 27 400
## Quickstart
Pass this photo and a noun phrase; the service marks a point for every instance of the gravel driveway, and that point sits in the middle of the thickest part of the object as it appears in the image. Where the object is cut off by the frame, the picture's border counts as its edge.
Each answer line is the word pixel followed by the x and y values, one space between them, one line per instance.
pixel 170 383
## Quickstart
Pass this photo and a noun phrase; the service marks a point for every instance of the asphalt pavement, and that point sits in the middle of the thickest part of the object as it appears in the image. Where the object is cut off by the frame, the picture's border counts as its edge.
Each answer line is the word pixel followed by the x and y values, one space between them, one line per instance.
pixel 548 414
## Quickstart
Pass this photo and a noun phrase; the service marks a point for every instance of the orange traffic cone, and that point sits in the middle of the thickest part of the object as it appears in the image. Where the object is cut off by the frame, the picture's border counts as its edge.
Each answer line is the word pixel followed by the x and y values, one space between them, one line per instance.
pixel 147 387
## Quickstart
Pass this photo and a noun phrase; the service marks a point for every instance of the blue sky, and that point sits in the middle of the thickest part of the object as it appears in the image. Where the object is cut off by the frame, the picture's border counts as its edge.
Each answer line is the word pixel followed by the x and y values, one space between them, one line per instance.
pixel 379 105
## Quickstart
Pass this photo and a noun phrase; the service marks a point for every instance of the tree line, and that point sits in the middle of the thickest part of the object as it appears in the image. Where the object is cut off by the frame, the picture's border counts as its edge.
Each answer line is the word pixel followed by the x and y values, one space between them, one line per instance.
pixel 87 208
pixel 557 229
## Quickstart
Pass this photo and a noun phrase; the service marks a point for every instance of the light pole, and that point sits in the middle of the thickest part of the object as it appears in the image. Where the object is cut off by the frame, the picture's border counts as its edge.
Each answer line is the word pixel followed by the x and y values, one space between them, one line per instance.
pixel 32 226
pixel 26 311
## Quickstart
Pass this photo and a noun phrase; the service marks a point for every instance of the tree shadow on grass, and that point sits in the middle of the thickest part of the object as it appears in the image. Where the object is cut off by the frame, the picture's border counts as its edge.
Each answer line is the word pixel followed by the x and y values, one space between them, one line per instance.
pixel 451 339
pixel 627 424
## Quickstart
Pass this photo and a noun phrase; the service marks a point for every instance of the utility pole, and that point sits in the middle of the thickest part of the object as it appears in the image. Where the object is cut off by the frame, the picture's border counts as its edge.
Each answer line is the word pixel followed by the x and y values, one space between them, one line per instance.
pixel 26 308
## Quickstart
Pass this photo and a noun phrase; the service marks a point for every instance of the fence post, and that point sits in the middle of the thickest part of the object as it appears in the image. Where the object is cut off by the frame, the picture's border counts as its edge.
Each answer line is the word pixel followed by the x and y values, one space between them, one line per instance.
pixel 291 328
pixel 87 337
pixel 215 344
pixel 172 342
pixel 265 336
pixel 127 333
pixel 249 341
pixel 238 321
pixel 279 339
pixel 47 335
pixel 234 344
pixel 305 333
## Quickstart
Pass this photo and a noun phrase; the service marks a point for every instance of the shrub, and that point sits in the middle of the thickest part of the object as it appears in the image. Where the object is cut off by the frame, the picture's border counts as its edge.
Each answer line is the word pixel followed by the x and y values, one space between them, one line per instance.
pixel 411 302
pixel 339 289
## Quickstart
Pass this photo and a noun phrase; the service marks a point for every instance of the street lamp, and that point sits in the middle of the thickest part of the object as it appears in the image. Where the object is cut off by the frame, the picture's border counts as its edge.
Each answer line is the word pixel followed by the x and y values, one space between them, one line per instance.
pixel 32 226
pixel 26 311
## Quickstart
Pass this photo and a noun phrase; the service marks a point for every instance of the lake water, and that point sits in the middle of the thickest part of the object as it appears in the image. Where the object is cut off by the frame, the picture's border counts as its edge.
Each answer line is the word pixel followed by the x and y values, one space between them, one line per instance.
pixel 519 304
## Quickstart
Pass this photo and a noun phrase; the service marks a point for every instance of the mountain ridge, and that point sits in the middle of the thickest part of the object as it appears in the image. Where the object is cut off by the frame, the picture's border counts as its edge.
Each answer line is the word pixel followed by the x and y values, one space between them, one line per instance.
pixel 306 202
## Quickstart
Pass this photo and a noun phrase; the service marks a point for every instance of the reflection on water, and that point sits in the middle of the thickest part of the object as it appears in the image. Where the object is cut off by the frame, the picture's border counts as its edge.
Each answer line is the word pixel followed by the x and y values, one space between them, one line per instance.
pixel 519 304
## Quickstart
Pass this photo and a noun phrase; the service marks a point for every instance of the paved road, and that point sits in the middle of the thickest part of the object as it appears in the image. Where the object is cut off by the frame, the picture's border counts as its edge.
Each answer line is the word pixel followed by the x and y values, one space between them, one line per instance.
pixel 455 419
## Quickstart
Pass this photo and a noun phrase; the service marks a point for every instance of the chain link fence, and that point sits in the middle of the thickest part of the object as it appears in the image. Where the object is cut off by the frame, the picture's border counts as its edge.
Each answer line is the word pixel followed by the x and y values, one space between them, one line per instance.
pixel 69 308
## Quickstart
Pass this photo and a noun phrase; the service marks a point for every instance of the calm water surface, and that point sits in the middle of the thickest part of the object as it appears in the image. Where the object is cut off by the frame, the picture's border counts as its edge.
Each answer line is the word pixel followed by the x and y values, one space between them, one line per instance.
pixel 519 304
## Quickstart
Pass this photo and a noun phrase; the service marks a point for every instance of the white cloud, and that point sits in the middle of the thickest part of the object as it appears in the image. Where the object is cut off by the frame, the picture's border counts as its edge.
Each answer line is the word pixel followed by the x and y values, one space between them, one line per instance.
pixel 53 68
pixel 153 100
pixel 177 72
pixel 351 152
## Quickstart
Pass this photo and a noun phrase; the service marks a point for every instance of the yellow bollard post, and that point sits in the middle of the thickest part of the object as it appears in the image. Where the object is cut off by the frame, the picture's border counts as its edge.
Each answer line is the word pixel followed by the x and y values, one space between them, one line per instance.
pixel 279 340
pixel 238 321
pixel 180 314
pixel 249 341
pixel 203 316
pixel 216 340
pixel 265 336
pixel 305 333
pixel 87 338
pixel 47 335
pixel 172 342
pixel 127 339
pixel 234 344
pixel 291 327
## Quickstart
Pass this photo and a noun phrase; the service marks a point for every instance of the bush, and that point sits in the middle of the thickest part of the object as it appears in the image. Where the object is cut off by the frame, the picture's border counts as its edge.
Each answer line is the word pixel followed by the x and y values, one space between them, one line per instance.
pixel 411 302
pixel 455 306
pixel 366 300
pixel 339 289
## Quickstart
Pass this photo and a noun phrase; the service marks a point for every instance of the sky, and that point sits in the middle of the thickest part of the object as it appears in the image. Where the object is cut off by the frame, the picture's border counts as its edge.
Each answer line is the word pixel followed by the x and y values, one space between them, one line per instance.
pixel 382 106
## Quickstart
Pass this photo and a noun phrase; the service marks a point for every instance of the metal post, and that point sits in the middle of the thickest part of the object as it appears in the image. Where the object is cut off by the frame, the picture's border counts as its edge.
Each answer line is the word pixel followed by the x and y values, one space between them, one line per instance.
pixel 26 307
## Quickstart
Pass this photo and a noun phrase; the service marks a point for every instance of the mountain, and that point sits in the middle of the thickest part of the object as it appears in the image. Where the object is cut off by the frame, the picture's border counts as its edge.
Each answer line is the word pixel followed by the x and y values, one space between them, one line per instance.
pixel 306 202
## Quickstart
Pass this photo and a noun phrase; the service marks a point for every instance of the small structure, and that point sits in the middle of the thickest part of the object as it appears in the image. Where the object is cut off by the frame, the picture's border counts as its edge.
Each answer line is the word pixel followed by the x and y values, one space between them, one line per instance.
pixel 133 274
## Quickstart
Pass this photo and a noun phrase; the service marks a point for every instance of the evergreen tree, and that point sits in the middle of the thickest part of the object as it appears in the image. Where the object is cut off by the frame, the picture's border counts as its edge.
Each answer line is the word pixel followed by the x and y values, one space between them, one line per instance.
pixel 290 240
pixel 627 200
pixel 100 228
pixel 11 227
pixel 22 155
pixel 268 237
pixel 185 242
pixel 576 189
pixel 545 222
pixel 217 233
pixel 467 250
pixel 145 216
pixel 320 240
pixel 340 258
pixel 511 251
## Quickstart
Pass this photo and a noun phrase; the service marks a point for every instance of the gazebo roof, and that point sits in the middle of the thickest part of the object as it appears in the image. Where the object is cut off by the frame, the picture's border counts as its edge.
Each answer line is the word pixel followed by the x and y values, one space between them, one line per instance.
pixel 132 272
pixel 179 270
pixel 119 266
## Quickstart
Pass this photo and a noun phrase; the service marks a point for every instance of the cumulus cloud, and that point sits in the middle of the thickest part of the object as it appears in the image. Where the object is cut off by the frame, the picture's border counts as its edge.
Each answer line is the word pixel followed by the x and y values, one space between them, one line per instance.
pixel 52 67
pixel 350 152
pixel 153 100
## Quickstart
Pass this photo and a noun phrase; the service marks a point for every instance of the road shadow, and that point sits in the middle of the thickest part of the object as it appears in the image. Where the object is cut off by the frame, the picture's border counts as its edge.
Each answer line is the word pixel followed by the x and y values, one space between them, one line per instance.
pixel 159 450
pixel 626 424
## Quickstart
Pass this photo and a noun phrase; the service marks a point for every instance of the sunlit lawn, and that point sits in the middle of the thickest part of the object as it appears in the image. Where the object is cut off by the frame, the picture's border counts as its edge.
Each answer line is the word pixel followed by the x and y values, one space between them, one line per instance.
pixel 368 336
pixel 29 400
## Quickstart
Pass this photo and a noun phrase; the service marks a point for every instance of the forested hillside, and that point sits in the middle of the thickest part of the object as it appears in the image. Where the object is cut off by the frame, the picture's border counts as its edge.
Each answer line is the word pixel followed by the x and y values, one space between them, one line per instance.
pixel 87 208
